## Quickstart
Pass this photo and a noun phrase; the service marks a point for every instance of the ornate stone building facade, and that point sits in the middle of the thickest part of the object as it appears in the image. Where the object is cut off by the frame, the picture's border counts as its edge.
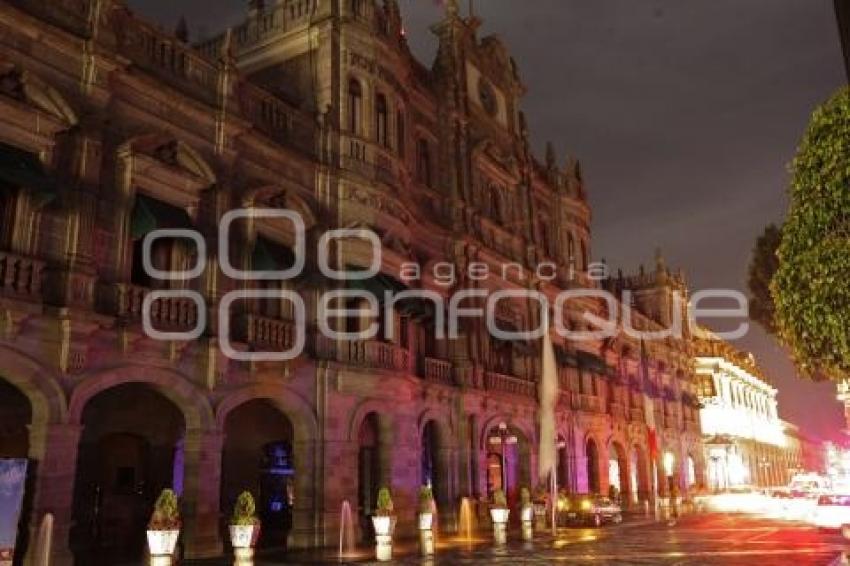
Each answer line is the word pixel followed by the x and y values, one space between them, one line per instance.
pixel 110 128
pixel 746 442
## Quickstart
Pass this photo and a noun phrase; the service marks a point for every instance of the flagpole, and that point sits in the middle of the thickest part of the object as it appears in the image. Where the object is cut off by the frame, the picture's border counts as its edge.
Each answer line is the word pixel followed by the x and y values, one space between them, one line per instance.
pixel 554 500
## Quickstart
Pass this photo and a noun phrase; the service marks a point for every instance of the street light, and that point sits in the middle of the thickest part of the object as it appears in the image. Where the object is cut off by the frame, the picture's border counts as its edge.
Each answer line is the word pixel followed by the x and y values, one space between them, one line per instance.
pixel 503 438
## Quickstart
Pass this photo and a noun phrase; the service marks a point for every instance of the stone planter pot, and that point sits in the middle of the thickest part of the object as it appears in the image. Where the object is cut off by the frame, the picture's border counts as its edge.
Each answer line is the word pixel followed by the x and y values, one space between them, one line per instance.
pixel 426 521
pixel 499 516
pixel 241 536
pixel 383 525
pixel 162 543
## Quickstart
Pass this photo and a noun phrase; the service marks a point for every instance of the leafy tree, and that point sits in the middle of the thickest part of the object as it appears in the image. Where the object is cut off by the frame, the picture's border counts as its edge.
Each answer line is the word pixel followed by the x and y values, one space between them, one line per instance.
pixel 763 266
pixel 811 288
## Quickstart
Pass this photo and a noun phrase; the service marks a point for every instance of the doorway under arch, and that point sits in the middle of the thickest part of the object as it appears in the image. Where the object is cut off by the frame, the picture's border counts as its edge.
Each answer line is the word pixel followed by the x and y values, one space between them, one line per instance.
pixel 257 456
pixel 618 471
pixel 125 459
pixel 368 472
pixel 640 474
pixel 592 454
pixel 433 474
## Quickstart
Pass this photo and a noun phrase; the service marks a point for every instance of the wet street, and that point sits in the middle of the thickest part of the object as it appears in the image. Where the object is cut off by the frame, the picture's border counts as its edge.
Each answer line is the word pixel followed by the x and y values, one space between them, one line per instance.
pixel 698 540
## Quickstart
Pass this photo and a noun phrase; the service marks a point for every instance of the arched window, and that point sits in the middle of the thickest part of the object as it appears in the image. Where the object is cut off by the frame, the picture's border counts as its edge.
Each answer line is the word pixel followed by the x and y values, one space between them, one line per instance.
pixel 355 105
pixel 381 121
pixel 400 133
pixel 584 259
pixel 495 204
pixel 423 162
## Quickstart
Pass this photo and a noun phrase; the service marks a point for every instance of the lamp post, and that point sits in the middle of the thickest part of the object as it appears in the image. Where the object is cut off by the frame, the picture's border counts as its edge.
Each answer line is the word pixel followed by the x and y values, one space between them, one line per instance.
pixel 503 437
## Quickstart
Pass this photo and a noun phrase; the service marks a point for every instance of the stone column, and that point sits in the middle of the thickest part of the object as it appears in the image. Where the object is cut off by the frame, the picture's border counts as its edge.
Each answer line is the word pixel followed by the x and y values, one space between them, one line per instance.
pixel 202 493
pixel 306 516
pixel 53 453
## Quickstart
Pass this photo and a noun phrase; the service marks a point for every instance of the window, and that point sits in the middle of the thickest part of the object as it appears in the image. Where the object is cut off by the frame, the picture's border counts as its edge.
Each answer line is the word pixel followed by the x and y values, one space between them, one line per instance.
pixel 423 162
pixel 356 8
pixel 495 204
pixel 355 106
pixel 381 121
pixel 584 258
pixel 706 387
pixel 399 132
pixel 571 250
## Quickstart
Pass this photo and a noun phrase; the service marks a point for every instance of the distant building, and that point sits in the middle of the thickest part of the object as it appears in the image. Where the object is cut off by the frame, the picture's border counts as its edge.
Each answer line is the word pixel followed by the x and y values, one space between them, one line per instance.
pixel 746 443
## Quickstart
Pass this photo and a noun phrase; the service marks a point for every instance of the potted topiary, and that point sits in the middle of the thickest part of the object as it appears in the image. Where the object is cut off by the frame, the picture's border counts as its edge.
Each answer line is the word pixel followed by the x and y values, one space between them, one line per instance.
pixel 526 513
pixel 499 513
pixel 244 526
pixel 164 525
pixel 384 521
pixel 426 520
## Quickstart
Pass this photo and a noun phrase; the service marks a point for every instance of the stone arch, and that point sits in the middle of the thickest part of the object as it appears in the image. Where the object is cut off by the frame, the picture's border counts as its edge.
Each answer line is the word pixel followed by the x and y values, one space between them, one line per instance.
pixel 516 472
pixel 124 458
pixel 641 473
pixel 621 476
pixel 173 385
pixel 592 463
pixel 289 443
pixel 435 436
pixel 38 385
pixel 287 401
pixel 360 412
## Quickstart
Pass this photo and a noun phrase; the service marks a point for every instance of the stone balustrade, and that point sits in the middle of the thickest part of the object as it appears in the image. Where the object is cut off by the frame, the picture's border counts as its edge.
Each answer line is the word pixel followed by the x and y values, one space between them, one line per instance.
pixel 269 333
pixel 20 276
pixel 509 384
pixel 436 370
pixel 364 353
pixel 167 313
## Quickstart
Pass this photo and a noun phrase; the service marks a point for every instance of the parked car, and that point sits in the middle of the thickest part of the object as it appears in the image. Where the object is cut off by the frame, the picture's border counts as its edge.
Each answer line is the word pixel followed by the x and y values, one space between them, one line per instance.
pixel 832 512
pixel 592 510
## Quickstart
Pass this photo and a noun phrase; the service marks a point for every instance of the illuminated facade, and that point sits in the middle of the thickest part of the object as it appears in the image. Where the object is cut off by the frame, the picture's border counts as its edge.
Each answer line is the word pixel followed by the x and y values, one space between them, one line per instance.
pixel 116 128
pixel 746 443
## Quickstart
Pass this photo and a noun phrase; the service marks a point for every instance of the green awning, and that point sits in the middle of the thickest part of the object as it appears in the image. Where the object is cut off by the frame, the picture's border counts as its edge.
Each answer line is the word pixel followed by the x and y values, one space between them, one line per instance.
pixel 592 362
pixel 564 357
pixel 270 256
pixel 150 214
pixel 24 170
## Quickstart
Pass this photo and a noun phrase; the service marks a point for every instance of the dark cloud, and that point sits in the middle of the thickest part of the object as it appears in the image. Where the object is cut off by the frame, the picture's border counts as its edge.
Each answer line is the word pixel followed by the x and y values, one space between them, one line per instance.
pixel 684 115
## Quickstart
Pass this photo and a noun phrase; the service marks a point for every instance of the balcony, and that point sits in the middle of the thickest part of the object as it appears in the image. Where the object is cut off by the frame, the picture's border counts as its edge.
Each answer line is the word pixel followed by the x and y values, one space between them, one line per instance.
pixel 20 276
pixel 436 370
pixel 591 404
pixel 167 313
pixel 509 384
pixel 265 333
pixel 364 353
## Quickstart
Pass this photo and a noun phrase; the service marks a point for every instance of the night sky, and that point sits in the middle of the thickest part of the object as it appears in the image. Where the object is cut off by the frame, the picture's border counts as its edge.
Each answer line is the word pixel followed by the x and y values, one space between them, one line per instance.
pixel 684 115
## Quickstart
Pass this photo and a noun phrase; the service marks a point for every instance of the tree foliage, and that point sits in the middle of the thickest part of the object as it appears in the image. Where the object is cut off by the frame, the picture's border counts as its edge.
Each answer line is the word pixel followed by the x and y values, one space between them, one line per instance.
pixel 763 266
pixel 811 288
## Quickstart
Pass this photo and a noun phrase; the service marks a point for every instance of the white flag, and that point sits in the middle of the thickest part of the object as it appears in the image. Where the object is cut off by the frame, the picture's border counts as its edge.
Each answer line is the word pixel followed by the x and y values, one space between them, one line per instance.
pixel 548 391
